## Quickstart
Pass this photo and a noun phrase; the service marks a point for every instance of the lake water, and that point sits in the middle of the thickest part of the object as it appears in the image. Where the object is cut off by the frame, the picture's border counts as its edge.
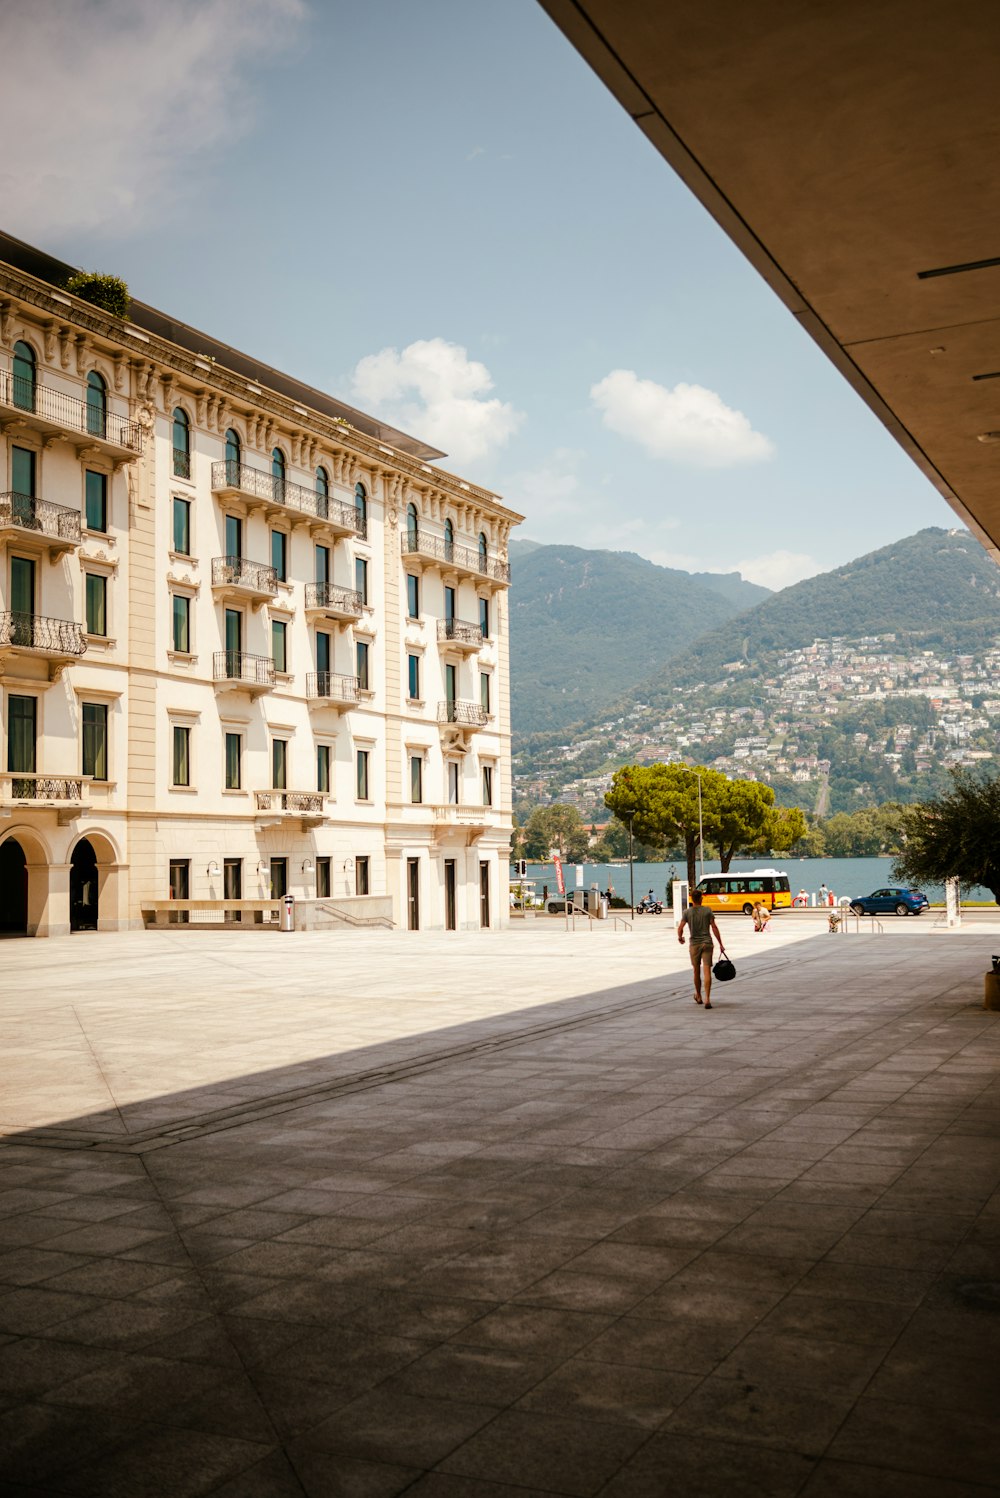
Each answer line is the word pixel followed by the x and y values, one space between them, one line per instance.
pixel 844 876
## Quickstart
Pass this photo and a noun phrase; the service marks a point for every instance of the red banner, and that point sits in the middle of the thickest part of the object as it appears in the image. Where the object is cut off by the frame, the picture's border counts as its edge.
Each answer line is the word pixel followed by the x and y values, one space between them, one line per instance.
pixel 560 881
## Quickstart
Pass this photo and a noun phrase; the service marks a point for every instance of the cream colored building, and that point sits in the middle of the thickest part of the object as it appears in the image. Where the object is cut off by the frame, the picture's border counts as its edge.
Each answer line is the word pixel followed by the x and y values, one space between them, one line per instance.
pixel 251 640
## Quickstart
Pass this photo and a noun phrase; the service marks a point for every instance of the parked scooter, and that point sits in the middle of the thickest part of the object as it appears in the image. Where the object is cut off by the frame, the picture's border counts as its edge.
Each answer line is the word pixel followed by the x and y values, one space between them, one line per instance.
pixel 649 905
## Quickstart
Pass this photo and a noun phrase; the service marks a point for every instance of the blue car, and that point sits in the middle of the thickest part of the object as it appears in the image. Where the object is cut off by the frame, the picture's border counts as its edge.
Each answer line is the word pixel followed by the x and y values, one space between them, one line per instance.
pixel 885 901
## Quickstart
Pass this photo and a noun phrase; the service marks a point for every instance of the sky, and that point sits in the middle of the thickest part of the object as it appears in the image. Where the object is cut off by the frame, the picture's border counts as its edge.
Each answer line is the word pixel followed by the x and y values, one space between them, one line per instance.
pixel 436 211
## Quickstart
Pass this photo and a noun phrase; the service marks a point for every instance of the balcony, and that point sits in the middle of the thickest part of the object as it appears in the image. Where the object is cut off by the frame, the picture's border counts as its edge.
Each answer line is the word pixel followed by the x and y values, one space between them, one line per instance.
pixel 461 635
pixel 464 560
pixel 464 715
pixel 258 489
pixel 39 408
pixel 328 601
pixel 235 577
pixel 329 689
pixel 22 518
pixel 236 671
pixel 472 821
pixel 57 641
pixel 279 806
pixel 65 794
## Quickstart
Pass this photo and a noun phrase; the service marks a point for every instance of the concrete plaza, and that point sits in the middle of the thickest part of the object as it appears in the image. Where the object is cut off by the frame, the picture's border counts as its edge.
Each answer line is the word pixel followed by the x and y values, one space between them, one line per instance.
pixel 488 1216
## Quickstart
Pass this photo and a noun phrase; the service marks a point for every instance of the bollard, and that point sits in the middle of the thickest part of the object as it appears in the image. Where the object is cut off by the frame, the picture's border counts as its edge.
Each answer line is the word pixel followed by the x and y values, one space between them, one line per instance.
pixel 288 913
pixel 991 991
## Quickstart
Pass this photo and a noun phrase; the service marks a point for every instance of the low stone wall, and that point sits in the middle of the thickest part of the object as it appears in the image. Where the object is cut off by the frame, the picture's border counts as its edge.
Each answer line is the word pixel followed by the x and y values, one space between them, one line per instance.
pixel 343 911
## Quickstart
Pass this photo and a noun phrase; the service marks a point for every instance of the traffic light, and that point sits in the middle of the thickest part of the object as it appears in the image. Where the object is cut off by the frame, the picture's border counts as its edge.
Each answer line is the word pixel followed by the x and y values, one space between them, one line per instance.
pixel 521 867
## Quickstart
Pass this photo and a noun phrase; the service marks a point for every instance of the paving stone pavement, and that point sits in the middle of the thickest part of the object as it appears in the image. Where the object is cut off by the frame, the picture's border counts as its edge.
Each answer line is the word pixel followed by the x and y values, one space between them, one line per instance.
pixel 490 1219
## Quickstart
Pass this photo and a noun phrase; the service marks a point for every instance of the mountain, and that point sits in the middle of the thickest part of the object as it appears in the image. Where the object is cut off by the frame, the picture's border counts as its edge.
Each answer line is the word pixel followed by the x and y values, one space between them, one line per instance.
pixel 861 685
pixel 584 625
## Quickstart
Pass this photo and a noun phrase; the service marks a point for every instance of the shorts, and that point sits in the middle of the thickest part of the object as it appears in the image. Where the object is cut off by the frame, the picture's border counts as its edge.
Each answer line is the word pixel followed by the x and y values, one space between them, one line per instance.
pixel 699 951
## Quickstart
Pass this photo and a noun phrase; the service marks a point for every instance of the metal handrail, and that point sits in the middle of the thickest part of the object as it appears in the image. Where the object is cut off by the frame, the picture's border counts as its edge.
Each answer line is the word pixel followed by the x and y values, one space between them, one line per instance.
pixel 230 473
pixel 240 572
pixel 471 714
pixel 332 684
pixel 460 630
pixel 50 636
pixel 237 665
pixel 182 463
pixel 40 516
pixel 66 410
pixel 332 596
pixel 418 543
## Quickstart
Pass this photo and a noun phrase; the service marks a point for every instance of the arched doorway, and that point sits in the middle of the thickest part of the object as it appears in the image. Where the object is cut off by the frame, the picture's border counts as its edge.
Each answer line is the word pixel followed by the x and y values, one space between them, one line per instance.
pixel 13 889
pixel 83 887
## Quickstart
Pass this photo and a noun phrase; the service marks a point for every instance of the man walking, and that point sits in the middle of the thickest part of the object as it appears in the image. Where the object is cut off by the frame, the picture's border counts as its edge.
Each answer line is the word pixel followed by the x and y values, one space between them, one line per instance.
pixel 701 924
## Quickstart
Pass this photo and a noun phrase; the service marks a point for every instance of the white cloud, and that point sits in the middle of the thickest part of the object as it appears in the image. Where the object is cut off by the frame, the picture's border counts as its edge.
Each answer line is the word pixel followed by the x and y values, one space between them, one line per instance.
pixel 111 102
pixel 688 424
pixel 779 569
pixel 435 390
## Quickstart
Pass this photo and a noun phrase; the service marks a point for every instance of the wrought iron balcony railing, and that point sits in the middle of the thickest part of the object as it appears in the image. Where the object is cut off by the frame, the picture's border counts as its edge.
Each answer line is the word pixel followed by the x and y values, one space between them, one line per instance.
pixel 61 637
pixel 26 513
pixel 20 786
pixel 332 685
pixel 460 632
pixel 335 599
pixel 468 714
pixel 66 411
pixel 182 463
pixel 254 482
pixel 237 665
pixel 238 572
pixel 301 803
pixel 463 558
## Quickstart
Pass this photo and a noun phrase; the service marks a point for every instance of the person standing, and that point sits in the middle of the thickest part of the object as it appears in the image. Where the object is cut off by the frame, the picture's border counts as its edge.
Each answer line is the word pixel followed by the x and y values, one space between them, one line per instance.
pixel 701 923
pixel 824 895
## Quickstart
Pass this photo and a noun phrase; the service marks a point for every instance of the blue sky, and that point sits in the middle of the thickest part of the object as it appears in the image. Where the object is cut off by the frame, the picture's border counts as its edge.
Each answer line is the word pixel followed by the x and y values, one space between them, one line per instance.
pixel 436 211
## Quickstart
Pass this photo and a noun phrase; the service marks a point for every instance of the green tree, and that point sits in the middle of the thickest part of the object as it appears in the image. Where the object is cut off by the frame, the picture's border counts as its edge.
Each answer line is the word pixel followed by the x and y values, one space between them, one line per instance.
pixel 664 802
pixel 812 843
pixel 955 837
pixel 784 826
pixel 737 815
pixel 560 827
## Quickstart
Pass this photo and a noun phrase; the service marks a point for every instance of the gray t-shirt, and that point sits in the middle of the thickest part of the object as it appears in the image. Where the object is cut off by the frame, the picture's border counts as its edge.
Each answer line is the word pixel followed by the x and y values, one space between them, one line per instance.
pixel 699 919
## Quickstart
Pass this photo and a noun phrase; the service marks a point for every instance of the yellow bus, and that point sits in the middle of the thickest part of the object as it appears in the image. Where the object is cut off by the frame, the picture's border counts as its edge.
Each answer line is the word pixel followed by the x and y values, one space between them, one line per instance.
pixel 738 892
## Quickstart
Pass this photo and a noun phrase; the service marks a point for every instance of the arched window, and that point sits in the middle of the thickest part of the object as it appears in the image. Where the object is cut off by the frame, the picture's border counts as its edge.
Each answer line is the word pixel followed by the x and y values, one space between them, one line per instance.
pixel 412 527
pixel 97 405
pixel 449 541
pixel 182 444
pixel 24 376
pixel 482 551
pixel 322 492
pixel 361 507
pixel 278 472
pixel 234 456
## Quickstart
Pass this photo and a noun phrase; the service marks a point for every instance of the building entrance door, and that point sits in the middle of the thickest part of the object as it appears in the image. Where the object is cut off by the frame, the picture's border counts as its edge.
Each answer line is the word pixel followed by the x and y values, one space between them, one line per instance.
pixel 13 889
pixel 484 896
pixel 413 894
pixel 83 888
pixel 450 896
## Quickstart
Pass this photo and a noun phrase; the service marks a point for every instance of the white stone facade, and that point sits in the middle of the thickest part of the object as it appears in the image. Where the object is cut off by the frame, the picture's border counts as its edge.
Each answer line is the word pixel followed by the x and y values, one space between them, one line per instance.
pixel 215 759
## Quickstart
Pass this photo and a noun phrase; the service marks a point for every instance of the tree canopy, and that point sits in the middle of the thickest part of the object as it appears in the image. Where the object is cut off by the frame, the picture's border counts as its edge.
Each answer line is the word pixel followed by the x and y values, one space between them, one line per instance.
pixel 956 836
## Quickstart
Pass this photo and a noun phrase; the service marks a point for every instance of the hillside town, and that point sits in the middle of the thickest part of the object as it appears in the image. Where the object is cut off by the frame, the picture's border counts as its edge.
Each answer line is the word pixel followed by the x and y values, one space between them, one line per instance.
pixel 874 703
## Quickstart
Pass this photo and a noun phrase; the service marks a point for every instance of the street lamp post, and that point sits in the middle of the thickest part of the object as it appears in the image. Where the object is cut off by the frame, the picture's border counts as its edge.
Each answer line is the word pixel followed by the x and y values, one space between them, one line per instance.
pixel 630 813
pixel 701 835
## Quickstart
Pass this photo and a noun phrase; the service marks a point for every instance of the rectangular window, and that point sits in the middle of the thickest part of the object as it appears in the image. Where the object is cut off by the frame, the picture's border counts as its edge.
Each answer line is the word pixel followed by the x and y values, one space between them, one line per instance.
pixel 234 761
pixel 449 604
pixel 322 564
pixel 180 879
pixel 362 876
pixel 487 785
pixel 450 687
pixel 97 604
pixel 181 770
pixel 234 536
pixel 279 764
pixel 279 644
pixel 324 885
pixel 95 740
pixel 362 654
pixel 323 768
pixel 361 578
pixel 21 734
pixel 22 471
pixel 453 782
pixel 362 766
pixel 96 492
pixel 484 690
pixel 484 617
pixel 322 651
pixel 182 526
pixel 412 596
pixel 182 624
pixel 416 779
pixel 413 677
pixel 279 554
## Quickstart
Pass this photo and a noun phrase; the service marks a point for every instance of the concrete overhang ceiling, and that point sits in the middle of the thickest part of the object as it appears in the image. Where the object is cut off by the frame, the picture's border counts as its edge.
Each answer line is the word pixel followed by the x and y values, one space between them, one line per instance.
pixel 852 152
